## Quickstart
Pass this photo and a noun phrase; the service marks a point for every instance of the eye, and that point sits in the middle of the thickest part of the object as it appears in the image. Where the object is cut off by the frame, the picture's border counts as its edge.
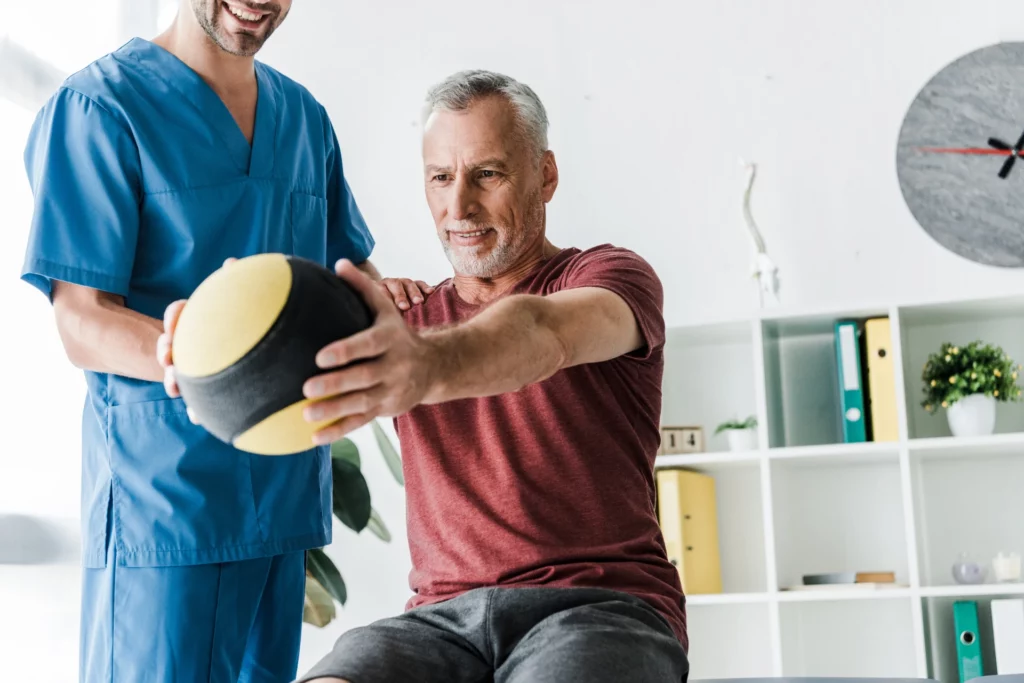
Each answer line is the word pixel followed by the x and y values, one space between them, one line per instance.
pixel 441 178
pixel 488 174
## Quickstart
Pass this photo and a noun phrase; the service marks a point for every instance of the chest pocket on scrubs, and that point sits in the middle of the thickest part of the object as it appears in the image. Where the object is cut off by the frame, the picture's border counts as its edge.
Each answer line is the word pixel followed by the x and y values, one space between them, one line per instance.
pixel 309 227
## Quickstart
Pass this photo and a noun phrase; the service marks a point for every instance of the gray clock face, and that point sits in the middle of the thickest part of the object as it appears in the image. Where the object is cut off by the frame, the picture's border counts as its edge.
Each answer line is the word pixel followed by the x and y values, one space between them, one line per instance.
pixel 959 156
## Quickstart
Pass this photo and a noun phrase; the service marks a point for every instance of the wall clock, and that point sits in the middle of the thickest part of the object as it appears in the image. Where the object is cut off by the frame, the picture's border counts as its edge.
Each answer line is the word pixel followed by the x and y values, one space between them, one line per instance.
pixel 959 156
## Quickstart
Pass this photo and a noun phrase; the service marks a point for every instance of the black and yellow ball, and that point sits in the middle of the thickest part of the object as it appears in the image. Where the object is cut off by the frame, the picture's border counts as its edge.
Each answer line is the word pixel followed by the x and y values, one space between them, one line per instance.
pixel 247 340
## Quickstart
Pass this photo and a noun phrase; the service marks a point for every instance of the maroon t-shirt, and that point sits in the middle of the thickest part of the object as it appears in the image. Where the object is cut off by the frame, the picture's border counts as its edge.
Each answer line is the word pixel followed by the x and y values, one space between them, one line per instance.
pixel 552 485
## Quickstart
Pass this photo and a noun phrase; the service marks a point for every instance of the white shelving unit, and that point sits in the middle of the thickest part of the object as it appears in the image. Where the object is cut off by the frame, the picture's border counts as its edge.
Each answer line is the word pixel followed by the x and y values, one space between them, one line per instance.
pixel 805 502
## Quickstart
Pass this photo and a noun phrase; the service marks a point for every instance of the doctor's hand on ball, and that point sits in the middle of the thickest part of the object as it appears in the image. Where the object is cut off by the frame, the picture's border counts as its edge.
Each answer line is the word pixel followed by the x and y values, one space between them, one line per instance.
pixel 163 349
pixel 163 353
pixel 394 373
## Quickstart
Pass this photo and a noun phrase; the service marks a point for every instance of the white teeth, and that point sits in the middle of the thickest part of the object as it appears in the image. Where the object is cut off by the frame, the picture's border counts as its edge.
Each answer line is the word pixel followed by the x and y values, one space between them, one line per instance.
pixel 242 14
pixel 471 234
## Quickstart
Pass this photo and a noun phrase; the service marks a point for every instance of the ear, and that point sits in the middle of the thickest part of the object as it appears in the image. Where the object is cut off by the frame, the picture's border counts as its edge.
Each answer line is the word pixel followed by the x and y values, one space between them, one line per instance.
pixel 549 173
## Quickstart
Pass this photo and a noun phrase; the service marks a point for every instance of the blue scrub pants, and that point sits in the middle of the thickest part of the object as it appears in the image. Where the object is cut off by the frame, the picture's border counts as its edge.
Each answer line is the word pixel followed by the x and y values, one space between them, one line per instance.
pixel 236 622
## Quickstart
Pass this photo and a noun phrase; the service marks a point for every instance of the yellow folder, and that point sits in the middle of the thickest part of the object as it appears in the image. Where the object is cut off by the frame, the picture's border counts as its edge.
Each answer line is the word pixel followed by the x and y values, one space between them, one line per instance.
pixel 881 380
pixel 689 522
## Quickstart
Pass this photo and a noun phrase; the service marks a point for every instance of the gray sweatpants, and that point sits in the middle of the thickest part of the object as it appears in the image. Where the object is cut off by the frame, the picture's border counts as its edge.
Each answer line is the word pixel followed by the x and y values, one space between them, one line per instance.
pixel 514 635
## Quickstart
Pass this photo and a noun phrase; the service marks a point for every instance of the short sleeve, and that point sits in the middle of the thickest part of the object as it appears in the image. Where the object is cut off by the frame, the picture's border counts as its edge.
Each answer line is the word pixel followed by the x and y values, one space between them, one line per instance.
pixel 627 274
pixel 84 171
pixel 347 233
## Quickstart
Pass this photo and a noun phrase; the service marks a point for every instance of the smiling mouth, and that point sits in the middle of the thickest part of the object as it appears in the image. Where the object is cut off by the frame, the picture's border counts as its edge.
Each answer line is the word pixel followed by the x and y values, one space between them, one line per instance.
pixel 469 239
pixel 247 18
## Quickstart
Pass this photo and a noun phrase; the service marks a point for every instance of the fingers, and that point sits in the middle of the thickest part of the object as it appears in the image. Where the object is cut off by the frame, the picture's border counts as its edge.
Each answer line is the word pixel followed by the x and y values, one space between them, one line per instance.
pixel 406 293
pixel 362 345
pixel 413 291
pixel 377 301
pixel 171 387
pixel 171 315
pixel 353 378
pixel 339 429
pixel 170 384
pixel 346 405
pixel 163 349
pixel 397 292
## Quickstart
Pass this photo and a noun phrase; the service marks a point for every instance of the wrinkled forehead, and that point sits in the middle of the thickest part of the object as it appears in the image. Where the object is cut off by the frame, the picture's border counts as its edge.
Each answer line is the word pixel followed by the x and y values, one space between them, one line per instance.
pixel 487 129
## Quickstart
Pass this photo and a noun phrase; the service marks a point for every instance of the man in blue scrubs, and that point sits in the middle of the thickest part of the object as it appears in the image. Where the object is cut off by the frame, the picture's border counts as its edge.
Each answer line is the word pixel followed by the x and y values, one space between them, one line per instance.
pixel 150 167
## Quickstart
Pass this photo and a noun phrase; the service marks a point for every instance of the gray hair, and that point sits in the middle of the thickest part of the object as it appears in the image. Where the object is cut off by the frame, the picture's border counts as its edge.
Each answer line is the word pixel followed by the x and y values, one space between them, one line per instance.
pixel 462 89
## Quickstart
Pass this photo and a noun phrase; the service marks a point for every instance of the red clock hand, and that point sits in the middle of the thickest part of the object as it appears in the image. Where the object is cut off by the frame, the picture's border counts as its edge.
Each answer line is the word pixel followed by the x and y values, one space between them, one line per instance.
pixel 966 150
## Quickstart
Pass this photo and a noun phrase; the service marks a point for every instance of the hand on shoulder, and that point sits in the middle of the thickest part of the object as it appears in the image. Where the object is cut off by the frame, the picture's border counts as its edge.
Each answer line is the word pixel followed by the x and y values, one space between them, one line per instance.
pixel 405 292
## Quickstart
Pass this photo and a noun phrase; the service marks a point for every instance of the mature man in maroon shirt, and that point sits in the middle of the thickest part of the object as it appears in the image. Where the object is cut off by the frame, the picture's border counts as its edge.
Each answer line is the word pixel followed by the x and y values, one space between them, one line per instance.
pixel 527 390
pixel 527 397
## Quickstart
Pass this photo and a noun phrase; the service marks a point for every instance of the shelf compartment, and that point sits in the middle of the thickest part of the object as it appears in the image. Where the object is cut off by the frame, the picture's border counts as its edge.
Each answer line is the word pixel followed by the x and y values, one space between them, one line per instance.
pixel 941 642
pixel 853 638
pixel 740 516
pixel 730 641
pixel 844 517
pixel 801 382
pixel 923 330
pixel 967 500
pixel 709 379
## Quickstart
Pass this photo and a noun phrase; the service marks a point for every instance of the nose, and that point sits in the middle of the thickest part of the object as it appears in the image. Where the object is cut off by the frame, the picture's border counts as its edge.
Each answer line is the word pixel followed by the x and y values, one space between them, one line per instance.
pixel 462 204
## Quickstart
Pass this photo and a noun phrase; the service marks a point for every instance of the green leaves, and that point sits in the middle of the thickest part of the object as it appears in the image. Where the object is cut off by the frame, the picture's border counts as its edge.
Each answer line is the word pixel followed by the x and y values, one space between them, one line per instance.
pixel 320 567
pixel 377 527
pixel 346 449
pixel 749 423
pixel 351 505
pixel 351 499
pixel 319 605
pixel 324 585
pixel 387 449
pixel 955 372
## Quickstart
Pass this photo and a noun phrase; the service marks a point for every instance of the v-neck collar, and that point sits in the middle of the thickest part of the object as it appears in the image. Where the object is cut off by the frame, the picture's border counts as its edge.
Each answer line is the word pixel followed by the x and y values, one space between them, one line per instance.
pixel 256 160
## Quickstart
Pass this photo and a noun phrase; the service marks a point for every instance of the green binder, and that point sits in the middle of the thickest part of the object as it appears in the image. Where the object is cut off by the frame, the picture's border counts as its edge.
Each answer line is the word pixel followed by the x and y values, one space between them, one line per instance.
pixel 968 641
pixel 851 384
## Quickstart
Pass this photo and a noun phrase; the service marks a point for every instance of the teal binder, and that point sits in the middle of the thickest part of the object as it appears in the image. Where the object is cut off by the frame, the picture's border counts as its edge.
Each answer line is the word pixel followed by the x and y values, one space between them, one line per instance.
pixel 968 640
pixel 851 381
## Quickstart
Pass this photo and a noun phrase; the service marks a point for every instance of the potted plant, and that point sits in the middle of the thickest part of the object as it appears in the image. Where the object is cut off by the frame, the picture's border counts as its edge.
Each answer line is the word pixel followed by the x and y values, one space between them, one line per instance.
pixel 742 436
pixel 351 505
pixel 968 381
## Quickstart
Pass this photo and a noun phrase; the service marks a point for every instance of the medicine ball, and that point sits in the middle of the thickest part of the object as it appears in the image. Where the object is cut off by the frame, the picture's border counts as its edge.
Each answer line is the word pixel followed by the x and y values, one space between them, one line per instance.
pixel 247 340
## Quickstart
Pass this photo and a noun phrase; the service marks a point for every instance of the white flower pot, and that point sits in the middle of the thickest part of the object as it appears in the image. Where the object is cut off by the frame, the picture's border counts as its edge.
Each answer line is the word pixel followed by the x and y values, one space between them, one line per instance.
pixel 742 439
pixel 974 415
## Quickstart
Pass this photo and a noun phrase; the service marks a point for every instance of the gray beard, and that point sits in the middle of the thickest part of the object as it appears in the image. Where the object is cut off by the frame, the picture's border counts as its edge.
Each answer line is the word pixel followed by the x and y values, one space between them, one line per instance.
pixel 493 263
pixel 504 254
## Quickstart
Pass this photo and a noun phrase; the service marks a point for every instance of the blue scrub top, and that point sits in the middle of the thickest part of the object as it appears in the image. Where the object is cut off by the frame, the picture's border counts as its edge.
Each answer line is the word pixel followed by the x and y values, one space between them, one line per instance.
pixel 143 185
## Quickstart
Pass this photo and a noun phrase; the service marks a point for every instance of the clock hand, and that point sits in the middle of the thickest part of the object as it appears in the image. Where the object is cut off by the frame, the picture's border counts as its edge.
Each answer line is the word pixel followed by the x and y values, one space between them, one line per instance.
pixel 967 150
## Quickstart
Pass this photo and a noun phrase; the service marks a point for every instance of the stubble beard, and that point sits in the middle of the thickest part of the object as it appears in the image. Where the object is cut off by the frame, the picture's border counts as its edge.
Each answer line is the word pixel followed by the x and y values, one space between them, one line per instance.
pixel 509 248
pixel 208 15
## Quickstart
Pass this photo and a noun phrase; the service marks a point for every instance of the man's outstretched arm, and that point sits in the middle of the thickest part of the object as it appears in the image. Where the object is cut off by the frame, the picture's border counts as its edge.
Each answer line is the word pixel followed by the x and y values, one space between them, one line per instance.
pixel 525 339
pixel 513 343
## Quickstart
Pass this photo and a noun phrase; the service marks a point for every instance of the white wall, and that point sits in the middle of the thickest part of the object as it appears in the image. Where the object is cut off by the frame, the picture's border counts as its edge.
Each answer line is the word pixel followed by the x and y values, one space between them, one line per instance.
pixel 652 104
